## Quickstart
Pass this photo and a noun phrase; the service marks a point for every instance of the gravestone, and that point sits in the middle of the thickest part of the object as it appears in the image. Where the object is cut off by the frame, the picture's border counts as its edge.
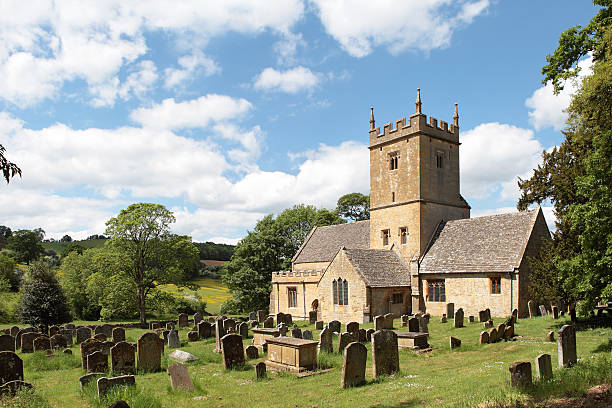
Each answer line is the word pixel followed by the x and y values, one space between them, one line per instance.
pixel 87 378
pixel 87 347
pixel 53 330
pixel 27 342
pixel 389 321
pixel 70 326
pixel 312 317
pixel 354 365
pixel 413 324
pixel 450 309
pixel 14 331
pixel 520 374
pixel 67 333
pixel 105 329
pixel 458 318
pixel 118 334
pixel 471 319
pixel 97 362
pixel 325 340
pixel 20 334
pixel 282 329
pixel 484 337
pixel 423 324
pixel 352 327
pixel 149 350
pixel 482 316
pixel 488 313
pixel 182 356
pixel 192 336
pixel 280 318
pixel 379 322
pixel 405 320
pixel 11 367
pixel 501 330
pixel 385 356
pixel 106 346
pixel 229 325
pixel 170 326
pixel 183 320
pixel 542 310
pixel 260 370
pixel 219 332
pixel 268 323
pixel 514 316
pixel 555 312
pixel 454 342
pixel 307 334
pixel 543 366
pixel 204 330
pixel 319 325
pixel 261 315
pixel 296 333
pixel 233 351
pixel 334 326
pixel 164 335
pixel 10 388
pixel 493 335
pixel 252 316
pixel 197 318
pixel 82 334
pixel 566 346
pixel 288 319
pixel 532 308
pixel 253 323
pixel 243 330
pixel 67 351
pixel 179 377
pixel 509 333
pixel 369 334
pixel 100 337
pixel 173 339
pixel 550 336
pixel 7 343
pixel 443 319
pixel 105 384
pixel 344 339
pixel 488 324
pixel 123 360
pixel 58 341
pixel 362 336
pixel 252 352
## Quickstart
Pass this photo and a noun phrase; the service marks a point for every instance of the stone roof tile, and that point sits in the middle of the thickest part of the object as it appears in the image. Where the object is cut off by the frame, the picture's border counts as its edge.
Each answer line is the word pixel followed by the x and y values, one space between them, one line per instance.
pixel 379 267
pixel 323 243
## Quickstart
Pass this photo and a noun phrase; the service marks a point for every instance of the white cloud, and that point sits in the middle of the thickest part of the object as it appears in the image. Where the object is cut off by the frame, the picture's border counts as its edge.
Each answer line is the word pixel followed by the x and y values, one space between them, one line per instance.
pixel 493 155
pixel 141 81
pixel 195 113
pixel 298 79
pixel 398 25
pixel 287 47
pixel 548 109
pixel 190 65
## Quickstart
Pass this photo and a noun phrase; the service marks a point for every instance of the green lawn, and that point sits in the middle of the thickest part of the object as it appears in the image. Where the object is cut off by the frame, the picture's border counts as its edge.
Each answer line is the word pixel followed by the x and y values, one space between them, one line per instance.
pixel 466 376
pixel 59 246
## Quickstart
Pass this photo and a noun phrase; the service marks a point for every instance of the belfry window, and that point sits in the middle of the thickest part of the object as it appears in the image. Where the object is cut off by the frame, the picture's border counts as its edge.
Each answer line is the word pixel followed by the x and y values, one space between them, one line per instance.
pixel 440 160
pixel 403 233
pixel 385 237
pixel 393 161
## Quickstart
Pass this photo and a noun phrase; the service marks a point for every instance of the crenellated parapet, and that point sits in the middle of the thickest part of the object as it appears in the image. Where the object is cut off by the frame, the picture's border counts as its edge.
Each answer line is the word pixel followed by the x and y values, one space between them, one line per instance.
pixel 310 275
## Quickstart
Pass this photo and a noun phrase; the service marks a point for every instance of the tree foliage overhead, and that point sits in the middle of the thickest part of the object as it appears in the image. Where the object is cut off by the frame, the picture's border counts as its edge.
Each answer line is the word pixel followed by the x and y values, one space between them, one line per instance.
pixel 354 206
pixel 577 176
pixel 8 169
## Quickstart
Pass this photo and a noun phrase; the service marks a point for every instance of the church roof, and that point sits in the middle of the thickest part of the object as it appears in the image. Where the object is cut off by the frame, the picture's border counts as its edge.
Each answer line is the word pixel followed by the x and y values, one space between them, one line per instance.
pixel 380 268
pixel 322 244
pixel 494 243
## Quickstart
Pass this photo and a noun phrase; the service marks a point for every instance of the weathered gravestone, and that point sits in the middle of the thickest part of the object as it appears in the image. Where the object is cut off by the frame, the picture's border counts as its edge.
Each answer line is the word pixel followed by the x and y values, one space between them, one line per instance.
pixel 260 370
pixel 183 320
pixel 458 318
pixel 362 336
pixel 197 318
pixel 67 333
pixel 87 378
pixel 82 334
pixel 105 329
pixel 566 346
pixel 252 352
pixel 280 318
pixel 450 310
pixel 405 320
pixel 543 366
pixel 20 334
pixel 219 333
pixel 532 308
pixel 11 367
pixel 123 360
pixel 509 333
pixel 14 331
pixel 488 324
pixel 423 324
pixel 484 337
pixel 10 388
pixel 325 340
pixel 334 326
pixel 179 377
pixel 252 316
pixel 268 323
pixel 550 336
pixel 482 316
pixel 354 365
pixel 542 310
pixel 282 329
pixel 312 317
pixel 204 330
pixel 106 346
pixel 27 341
pixel 413 324
pixel 173 339
pixel 118 334
pixel 233 351
pixel 520 374
pixel 471 319
pixel 389 321
pixel 514 316
pixel 261 315
pixel 352 327
pixel 243 330
pixel 319 325
pixel 493 335
pixel 100 337
pixel 443 319
pixel 501 330
pixel 97 362
pixel 170 326
pixel 296 333
pixel 454 342
pixel 105 384
pixel 379 322
pixel 7 343
pixel 385 356
pixel 229 325
pixel 307 334
pixel 58 341
pixel 288 319
pixel 344 339
pixel 369 334
pixel 149 349
pixel 182 356
pixel 87 347
pixel 555 312
pixel 192 335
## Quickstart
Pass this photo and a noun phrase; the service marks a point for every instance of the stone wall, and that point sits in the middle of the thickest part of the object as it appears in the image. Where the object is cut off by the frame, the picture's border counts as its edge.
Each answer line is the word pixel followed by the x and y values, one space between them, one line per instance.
pixel 381 305
pixel 305 283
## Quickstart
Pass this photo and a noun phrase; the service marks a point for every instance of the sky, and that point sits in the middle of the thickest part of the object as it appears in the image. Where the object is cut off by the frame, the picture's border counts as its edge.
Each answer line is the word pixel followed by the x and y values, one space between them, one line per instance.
pixel 226 111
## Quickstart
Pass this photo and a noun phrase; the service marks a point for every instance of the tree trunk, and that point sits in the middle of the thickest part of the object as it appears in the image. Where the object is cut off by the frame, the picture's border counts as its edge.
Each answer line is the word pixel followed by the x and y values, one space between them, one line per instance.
pixel 141 305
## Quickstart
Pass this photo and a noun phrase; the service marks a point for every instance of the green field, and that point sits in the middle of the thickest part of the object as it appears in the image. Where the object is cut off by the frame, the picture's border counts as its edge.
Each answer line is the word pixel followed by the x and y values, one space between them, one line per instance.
pixel 211 291
pixel 59 246
pixel 467 376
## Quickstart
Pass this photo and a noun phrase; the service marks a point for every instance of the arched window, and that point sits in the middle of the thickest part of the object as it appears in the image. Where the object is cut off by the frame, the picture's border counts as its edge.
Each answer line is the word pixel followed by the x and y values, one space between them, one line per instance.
pixel 335 290
pixel 340 292
pixel 345 292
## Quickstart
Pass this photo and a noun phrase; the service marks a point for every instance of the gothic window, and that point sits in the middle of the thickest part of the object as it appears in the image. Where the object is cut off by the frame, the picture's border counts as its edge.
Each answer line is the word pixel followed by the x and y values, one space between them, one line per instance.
pixel 440 159
pixel 393 160
pixel 436 291
pixel 397 298
pixel 385 237
pixel 345 287
pixel 335 290
pixel 403 233
pixel 292 294
pixel 496 285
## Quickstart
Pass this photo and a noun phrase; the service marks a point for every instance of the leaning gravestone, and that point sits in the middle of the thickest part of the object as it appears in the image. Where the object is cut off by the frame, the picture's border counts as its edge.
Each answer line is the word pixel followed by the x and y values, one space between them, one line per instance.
pixel 87 378
pixel 543 366
pixel 459 318
pixel 413 324
pixel 58 341
pixel 118 334
pixel 149 349
pixel 454 342
pixel 87 347
pixel 385 356
pixel 325 340
pixel 197 318
pixel 105 384
pixel 369 334
pixel 97 362
pixel 179 377
pixel 520 374
pixel 11 367
pixel 7 343
pixel 27 342
pixel 233 351
pixel 204 330
pixel 82 334
pixel 543 310
pixel 501 330
pixel 173 339
pixel 123 359
pixel 307 335
pixel 550 336
pixel 532 309
pixel 352 327
pixel 334 326
pixel 183 320
pixel 450 310
pixel 252 352
pixel 243 330
pixel 354 365
pixel 566 346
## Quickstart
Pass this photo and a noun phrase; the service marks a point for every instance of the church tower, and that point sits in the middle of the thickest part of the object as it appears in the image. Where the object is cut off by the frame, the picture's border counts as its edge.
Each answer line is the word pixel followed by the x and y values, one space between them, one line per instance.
pixel 414 182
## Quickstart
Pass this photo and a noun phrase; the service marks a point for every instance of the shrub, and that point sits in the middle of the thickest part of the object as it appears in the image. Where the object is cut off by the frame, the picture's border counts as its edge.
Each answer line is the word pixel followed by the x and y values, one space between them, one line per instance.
pixel 42 300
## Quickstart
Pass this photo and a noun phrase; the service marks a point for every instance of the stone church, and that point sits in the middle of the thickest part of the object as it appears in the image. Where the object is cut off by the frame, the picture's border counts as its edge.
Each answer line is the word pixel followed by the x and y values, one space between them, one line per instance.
pixel 420 249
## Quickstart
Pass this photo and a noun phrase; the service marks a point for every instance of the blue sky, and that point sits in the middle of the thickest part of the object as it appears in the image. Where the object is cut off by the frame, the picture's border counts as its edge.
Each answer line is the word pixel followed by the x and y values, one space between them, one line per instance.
pixel 227 111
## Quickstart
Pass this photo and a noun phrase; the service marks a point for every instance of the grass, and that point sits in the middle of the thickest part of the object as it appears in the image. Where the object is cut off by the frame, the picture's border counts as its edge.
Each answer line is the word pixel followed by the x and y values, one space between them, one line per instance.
pixel 470 375
pixel 211 291
pixel 58 247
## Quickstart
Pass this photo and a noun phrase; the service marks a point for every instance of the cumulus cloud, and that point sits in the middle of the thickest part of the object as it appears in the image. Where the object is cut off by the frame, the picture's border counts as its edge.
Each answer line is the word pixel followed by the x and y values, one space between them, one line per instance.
pixel 493 155
pixel 548 109
pixel 190 66
pixel 398 25
pixel 298 79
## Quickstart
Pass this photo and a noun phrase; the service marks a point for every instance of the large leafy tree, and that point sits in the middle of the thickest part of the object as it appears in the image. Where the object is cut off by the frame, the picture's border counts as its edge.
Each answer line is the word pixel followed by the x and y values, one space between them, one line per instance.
pixel 577 176
pixel 7 168
pixel 354 206
pixel 149 254
pixel 26 245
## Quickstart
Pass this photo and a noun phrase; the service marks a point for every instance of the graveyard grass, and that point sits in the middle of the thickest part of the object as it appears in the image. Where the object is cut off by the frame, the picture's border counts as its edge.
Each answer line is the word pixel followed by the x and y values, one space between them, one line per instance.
pixel 471 375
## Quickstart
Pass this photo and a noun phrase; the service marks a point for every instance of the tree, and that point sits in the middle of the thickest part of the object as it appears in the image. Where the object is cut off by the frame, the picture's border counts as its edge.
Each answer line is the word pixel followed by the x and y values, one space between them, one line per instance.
pixel 8 274
pixel 26 245
pixel 576 177
pixel 73 246
pixel 354 206
pixel 66 238
pixel 40 233
pixel 42 300
pixel 5 231
pixel 8 169
pixel 149 255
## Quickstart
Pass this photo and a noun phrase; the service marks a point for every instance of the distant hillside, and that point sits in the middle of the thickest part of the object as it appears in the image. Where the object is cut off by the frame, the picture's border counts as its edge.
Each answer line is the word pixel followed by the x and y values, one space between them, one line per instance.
pixel 59 246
